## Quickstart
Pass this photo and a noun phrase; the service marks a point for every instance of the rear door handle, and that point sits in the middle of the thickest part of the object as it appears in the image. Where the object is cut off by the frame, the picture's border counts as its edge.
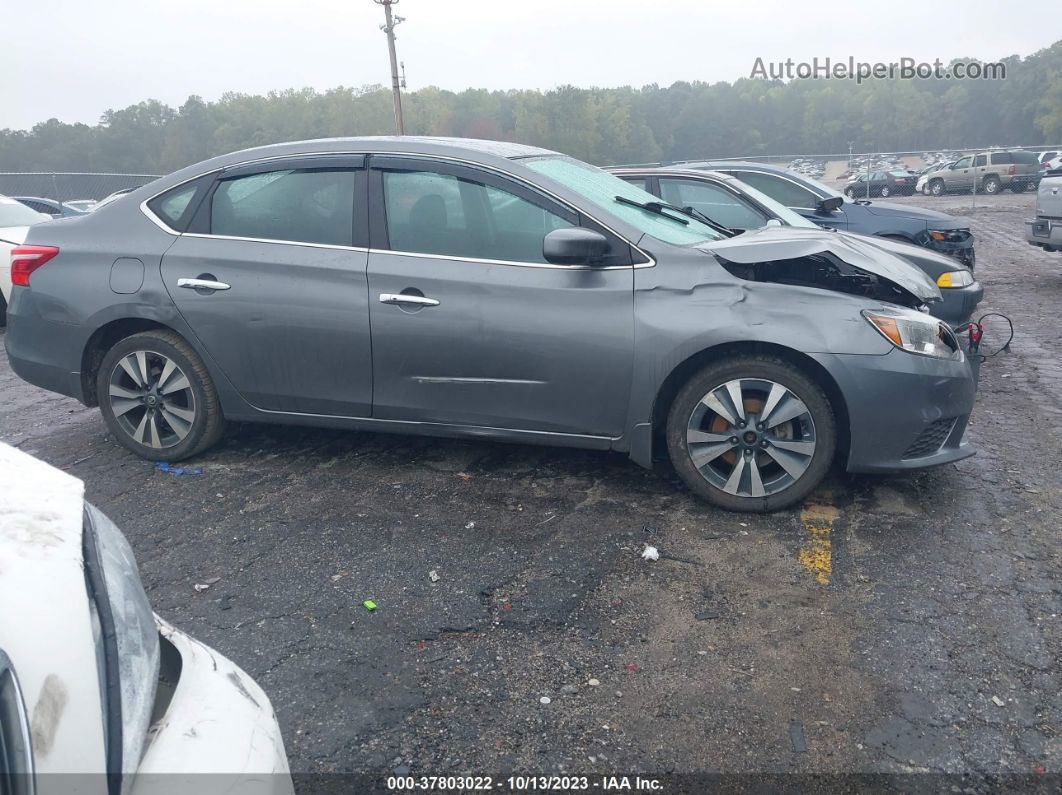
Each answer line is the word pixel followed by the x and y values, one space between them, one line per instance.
pixel 202 284
pixel 410 300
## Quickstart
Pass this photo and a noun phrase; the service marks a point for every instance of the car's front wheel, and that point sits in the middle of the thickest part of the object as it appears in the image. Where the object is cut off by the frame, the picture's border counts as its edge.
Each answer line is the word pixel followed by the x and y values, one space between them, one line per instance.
pixel 990 185
pixel 157 397
pixel 885 191
pixel 751 433
pixel 936 187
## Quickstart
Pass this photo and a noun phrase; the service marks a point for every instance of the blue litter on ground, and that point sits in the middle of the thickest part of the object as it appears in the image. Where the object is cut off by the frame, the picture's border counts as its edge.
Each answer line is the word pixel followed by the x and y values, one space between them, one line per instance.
pixel 166 466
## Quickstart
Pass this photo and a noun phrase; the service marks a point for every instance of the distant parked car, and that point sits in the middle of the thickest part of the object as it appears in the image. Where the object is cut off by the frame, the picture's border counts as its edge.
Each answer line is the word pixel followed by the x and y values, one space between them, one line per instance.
pixel 988 172
pixel 15 220
pixel 826 207
pixel 85 205
pixel 881 183
pixel 735 205
pixel 1045 230
pixel 922 184
pixel 94 687
pixel 55 209
pixel 1053 163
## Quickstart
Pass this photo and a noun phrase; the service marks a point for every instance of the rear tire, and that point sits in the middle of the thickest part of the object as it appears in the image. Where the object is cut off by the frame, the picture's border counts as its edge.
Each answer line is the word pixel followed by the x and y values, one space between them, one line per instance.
pixel 990 186
pixel 1019 187
pixel 157 397
pixel 885 191
pixel 751 467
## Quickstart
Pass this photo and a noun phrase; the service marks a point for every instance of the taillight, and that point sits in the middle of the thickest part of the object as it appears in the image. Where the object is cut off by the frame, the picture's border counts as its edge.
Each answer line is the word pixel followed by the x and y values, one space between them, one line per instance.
pixel 1010 170
pixel 26 259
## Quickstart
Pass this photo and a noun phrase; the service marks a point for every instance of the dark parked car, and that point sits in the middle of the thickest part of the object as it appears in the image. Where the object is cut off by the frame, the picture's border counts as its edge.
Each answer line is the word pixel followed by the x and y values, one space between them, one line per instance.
pixel 49 206
pixel 819 203
pixel 881 183
pixel 487 290
pixel 728 201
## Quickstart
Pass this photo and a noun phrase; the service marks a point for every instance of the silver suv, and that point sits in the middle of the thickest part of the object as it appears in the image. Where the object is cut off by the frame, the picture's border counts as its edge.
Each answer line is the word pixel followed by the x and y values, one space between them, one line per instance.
pixel 987 172
pixel 1045 230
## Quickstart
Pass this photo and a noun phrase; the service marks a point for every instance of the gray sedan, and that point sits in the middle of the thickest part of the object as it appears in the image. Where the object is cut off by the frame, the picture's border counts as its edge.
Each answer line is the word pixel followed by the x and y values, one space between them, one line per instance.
pixel 490 290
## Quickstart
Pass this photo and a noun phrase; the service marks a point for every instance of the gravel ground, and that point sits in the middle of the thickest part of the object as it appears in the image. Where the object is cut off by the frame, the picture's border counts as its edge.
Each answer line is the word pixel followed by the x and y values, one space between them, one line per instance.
pixel 893 625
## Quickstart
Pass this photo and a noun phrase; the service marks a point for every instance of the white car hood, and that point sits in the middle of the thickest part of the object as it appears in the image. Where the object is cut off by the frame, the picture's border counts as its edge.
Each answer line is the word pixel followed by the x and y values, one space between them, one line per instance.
pixel 786 242
pixel 45 624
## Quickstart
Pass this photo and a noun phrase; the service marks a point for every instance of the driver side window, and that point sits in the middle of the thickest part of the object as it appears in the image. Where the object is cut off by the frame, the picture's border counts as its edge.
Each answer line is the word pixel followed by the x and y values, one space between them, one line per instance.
pixel 434 213
pixel 781 190
pixel 964 163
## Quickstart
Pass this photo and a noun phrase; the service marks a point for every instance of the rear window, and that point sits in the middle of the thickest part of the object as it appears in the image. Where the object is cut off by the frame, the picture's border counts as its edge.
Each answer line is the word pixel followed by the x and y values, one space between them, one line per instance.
pixel 1025 158
pixel 176 206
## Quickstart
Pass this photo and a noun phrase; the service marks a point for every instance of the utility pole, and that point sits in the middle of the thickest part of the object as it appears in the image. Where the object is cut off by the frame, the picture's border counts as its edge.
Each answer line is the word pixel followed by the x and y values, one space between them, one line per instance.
pixel 389 29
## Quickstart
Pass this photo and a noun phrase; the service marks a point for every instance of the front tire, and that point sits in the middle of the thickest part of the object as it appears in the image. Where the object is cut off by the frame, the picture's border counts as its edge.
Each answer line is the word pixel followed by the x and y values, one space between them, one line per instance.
pixel 157 397
pixel 936 187
pixel 990 186
pixel 751 433
pixel 885 191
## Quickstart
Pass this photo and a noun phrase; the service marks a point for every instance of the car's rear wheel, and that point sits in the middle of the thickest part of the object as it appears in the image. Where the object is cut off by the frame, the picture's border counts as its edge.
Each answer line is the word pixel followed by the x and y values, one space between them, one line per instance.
pixel 936 187
pixel 1019 187
pixel 990 185
pixel 157 397
pixel 751 433
pixel 885 191
pixel 849 193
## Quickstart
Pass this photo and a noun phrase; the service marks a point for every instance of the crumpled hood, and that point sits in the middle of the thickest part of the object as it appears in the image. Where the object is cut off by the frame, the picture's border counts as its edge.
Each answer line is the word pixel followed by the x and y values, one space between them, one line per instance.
pixel 938 220
pixel 782 243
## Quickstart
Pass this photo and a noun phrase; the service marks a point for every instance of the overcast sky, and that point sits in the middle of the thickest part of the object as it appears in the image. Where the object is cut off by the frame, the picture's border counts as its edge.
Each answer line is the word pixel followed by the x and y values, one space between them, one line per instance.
pixel 74 59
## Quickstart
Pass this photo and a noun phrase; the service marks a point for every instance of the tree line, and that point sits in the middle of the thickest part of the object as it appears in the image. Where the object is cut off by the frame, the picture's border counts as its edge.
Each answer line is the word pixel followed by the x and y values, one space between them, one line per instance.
pixel 605 126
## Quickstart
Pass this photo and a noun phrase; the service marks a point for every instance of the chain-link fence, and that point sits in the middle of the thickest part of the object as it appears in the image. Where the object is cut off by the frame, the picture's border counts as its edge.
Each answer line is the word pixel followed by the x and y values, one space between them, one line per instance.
pixel 68 186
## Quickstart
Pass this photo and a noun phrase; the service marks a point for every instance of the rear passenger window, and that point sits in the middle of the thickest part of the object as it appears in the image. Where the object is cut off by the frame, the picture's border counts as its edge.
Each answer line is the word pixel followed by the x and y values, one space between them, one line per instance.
pixel 176 206
pixel 433 213
pixel 292 205
pixel 980 160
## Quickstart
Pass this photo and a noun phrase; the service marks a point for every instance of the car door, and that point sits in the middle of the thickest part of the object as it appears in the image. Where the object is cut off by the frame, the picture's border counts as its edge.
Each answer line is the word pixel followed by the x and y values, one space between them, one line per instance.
pixel 960 175
pixel 980 168
pixel 270 281
pixel 714 201
pixel 794 196
pixel 470 326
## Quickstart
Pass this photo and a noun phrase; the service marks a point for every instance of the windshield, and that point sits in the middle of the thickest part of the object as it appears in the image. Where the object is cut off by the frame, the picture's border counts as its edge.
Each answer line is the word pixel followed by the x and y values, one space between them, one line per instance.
pixel 15 213
pixel 783 213
pixel 601 189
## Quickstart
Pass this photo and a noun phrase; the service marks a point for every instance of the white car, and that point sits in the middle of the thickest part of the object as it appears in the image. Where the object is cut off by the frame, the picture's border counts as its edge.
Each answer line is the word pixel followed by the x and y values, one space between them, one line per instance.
pixel 92 682
pixel 15 219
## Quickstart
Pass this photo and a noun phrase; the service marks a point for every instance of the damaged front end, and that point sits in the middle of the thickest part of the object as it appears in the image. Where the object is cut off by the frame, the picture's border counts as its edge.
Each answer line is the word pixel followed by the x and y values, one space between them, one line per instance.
pixel 827 261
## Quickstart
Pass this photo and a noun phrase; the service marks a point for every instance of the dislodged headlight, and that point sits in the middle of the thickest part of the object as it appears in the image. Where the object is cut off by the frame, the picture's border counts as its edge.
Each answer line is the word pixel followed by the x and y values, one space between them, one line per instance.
pixel 949 235
pixel 916 333
pixel 959 278
pixel 128 642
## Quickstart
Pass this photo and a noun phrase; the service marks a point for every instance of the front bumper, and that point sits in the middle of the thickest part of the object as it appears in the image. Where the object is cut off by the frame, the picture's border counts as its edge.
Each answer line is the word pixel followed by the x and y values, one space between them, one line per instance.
pixel 218 733
pixel 905 411
pixel 958 303
pixel 1044 232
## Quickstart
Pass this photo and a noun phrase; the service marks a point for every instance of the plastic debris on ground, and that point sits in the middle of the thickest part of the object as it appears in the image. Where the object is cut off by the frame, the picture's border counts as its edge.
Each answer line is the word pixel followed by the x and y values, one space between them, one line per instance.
pixel 545 700
pixel 650 553
pixel 433 575
pixel 796 737
pixel 166 466
pixel 593 682
pixel 369 605
pixel 202 586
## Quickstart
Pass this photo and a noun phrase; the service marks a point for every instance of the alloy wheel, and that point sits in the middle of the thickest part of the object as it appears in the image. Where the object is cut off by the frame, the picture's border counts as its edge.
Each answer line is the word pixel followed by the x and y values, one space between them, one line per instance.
pixel 751 437
pixel 151 399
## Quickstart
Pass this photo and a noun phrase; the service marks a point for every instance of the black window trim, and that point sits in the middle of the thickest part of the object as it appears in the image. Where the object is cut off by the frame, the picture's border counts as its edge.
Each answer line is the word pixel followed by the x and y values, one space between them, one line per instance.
pixel 743 200
pixel 646 261
pixel 477 172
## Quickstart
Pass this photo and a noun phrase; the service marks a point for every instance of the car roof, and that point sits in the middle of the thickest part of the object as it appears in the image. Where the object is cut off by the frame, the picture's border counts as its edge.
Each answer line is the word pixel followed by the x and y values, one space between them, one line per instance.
pixel 722 165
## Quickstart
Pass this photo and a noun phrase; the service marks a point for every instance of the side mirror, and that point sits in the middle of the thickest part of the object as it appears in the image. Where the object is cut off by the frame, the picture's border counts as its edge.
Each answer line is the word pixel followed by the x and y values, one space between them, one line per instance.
pixel 830 205
pixel 773 222
pixel 574 246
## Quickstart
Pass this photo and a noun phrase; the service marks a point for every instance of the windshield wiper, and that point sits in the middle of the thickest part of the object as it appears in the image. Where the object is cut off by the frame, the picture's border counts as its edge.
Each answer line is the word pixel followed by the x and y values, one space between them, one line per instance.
pixel 704 219
pixel 656 207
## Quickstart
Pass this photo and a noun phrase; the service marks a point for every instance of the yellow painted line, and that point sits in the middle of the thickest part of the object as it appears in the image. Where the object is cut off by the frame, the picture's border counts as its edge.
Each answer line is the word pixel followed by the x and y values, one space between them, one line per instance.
pixel 816 555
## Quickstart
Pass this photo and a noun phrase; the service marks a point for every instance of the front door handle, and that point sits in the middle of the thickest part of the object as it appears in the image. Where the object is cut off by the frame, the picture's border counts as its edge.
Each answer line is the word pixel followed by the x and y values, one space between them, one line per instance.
pixel 410 300
pixel 202 284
